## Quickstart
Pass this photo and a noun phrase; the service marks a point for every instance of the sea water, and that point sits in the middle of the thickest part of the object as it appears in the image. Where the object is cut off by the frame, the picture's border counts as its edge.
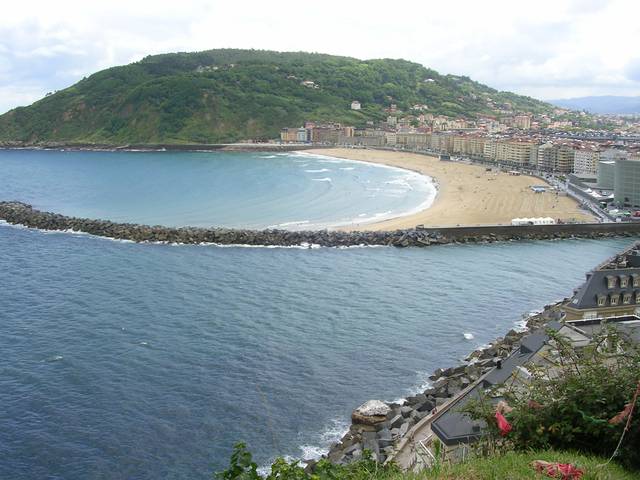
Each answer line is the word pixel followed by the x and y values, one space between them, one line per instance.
pixel 229 189
pixel 123 360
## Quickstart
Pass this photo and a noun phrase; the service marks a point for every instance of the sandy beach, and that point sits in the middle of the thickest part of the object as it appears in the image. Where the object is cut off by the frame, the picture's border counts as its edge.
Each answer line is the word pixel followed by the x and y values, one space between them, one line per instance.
pixel 467 194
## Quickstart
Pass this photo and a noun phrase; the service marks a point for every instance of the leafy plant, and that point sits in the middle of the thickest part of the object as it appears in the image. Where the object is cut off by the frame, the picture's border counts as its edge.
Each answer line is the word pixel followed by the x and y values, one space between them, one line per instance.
pixel 572 396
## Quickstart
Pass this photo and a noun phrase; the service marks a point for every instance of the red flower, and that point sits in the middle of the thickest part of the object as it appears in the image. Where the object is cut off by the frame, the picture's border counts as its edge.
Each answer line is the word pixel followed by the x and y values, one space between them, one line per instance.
pixel 503 425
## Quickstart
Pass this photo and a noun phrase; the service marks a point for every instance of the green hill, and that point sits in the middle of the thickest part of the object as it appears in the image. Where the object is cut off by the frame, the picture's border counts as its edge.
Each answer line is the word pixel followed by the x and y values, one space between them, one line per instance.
pixel 228 95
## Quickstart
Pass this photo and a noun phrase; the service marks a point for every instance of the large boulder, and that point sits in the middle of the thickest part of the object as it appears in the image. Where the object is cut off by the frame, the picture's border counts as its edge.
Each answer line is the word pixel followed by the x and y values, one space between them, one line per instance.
pixel 372 412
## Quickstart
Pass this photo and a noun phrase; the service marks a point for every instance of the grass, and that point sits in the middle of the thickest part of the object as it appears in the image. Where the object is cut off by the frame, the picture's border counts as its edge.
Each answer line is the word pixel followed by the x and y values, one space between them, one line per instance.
pixel 516 465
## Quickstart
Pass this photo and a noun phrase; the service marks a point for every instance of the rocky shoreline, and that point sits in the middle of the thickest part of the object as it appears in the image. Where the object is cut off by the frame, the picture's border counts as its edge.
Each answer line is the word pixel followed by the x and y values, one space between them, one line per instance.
pixel 19 213
pixel 380 427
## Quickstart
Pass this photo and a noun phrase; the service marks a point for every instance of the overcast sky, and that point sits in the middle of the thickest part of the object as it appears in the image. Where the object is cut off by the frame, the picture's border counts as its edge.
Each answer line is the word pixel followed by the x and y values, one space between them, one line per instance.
pixel 546 49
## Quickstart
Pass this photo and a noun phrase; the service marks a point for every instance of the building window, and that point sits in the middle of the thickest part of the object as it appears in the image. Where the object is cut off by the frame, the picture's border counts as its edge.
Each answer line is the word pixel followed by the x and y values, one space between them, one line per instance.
pixel 636 280
pixel 615 298
pixel 624 281
pixel 602 300
pixel 637 297
pixel 626 298
pixel 611 281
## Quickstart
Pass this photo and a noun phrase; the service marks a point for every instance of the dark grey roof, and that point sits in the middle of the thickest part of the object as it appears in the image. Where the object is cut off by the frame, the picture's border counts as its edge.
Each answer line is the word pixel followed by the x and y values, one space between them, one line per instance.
pixel 629 325
pixel 587 295
pixel 452 426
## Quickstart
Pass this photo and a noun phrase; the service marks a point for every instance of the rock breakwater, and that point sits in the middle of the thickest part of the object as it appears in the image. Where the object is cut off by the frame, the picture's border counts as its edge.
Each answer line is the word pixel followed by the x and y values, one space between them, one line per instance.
pixel 380 427
pixel 19 213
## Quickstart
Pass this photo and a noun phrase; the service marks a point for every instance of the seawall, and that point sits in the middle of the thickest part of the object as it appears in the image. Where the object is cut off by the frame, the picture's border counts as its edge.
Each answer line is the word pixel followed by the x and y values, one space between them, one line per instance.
pixel 23 214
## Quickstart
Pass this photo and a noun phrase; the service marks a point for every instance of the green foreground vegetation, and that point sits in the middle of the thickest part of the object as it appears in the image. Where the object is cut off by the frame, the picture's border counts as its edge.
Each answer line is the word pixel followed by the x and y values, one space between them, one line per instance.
pixel 511 465
pixel 227 95
pixel 577 399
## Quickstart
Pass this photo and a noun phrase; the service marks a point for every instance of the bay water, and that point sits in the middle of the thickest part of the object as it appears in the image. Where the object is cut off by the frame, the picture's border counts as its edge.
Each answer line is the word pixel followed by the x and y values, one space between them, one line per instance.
pixel 138 361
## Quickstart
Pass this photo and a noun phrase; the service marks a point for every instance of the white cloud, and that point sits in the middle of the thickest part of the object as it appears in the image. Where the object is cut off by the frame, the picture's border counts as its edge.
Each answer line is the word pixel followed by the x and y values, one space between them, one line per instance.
pixel 550 49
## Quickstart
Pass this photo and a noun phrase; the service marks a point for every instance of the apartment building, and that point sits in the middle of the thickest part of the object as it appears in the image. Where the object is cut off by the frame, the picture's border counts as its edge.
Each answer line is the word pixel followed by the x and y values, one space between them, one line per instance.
pixel 555 158
pixel 586 161
pixel 516 152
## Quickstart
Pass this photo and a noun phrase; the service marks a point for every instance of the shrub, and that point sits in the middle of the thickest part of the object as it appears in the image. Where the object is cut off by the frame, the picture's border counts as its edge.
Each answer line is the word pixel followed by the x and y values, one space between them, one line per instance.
pixel 570 400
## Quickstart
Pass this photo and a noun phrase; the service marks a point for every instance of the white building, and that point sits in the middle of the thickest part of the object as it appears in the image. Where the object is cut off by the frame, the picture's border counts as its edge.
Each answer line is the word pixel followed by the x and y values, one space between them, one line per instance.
pixel 585 161
pixel 355 105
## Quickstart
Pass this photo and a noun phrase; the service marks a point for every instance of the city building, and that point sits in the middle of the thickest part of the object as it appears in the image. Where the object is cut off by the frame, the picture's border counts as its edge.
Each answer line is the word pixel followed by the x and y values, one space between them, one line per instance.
pixel 555 158
pixel 412 139
pixel 626 185
pixel 613 154
pixel 522 121
pixel 303 135
pixel 355 105
pixel 516 152
pixel 606 174
pixel 489 149
pixel 612 289
pixel 289 135
pixel 586 161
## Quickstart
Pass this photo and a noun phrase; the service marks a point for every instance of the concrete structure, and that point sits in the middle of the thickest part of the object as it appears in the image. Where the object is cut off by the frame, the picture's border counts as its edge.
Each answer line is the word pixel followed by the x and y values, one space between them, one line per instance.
pixel 412 139
pixel 355 105
pixel 586 161
pixel 555 158
pixel 626 186
pixel 303 135
pixel 516 152
pixel 391 138
pixel 522 121
pixel 289 135
pixel 489 149
pixel 613 154
pixel 606 174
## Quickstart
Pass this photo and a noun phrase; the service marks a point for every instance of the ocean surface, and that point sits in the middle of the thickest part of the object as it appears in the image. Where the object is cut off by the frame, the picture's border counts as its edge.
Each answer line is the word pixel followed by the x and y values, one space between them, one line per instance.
pixel 139 361
pixel 227 189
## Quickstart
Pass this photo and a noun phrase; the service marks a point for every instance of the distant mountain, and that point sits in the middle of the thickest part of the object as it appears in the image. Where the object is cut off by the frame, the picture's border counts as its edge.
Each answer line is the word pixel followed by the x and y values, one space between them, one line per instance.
pixel 226 95
pixel 604 104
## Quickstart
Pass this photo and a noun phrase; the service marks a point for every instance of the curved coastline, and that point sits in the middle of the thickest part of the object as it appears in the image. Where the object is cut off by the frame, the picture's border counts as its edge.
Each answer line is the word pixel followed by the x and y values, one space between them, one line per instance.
pixel 430 183
pixel 468 195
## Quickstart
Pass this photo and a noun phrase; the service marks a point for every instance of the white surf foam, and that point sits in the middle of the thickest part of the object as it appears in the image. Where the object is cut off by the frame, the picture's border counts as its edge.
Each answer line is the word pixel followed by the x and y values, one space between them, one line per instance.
pixel 325 179
pixel 321 170
pixel 468 336
pixel 289 224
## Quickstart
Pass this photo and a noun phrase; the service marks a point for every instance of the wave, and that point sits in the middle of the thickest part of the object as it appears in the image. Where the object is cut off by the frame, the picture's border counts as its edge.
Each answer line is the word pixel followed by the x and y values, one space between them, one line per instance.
pixel 468 336
pixel 347 168
pixel 400 181
pixel 55 358
pixel 289 224
pixel 325 179
pixel 421 384
pixel 332 433
pixel 268 156
pixel 321 170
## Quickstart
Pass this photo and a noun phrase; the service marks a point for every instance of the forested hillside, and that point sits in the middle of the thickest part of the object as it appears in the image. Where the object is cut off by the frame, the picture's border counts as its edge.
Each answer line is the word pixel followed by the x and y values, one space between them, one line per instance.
pixel 228 95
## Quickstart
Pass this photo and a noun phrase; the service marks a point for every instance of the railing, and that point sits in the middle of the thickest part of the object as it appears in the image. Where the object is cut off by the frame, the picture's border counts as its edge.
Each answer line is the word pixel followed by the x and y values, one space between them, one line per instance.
pixel 423 445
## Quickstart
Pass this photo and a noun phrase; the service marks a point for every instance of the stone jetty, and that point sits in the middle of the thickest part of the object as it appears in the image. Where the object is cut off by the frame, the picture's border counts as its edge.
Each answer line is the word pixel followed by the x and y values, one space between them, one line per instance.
pixel 19 213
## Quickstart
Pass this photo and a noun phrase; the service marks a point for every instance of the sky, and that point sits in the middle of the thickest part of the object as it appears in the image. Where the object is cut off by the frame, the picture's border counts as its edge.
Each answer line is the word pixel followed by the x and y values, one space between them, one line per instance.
pixel 546 49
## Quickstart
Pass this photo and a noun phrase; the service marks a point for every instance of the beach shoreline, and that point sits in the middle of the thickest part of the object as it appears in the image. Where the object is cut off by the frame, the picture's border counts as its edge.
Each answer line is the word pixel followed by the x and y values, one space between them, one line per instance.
pixel 467 195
